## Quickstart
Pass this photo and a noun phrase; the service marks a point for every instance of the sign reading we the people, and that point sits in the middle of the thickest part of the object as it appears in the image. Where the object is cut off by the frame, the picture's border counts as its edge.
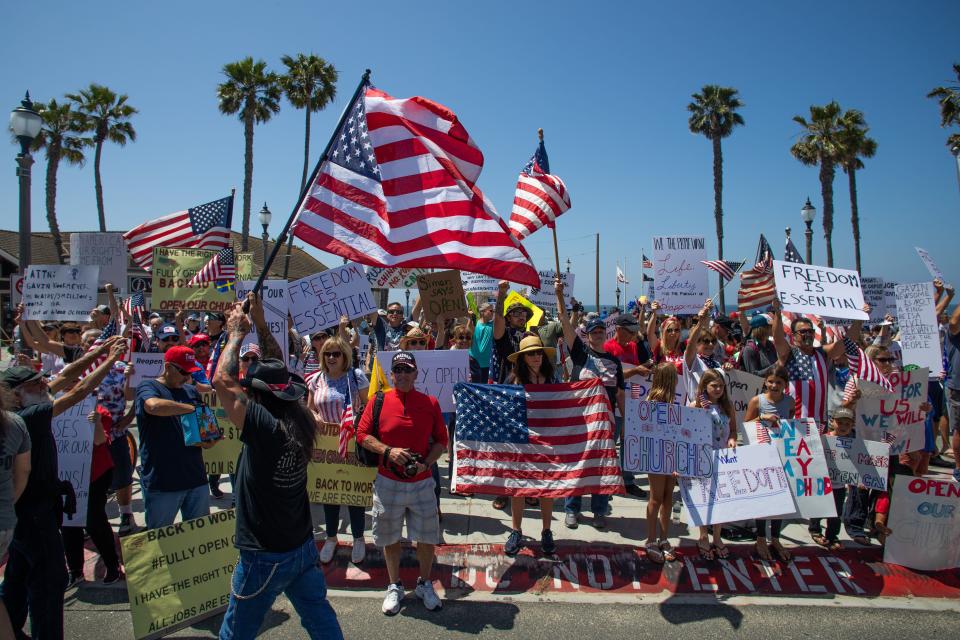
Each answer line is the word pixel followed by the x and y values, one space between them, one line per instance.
pixel 332 479
pixel 919 331
pixel 319 300
pixel 73 433
pixel 174 268
pixel 925 521
pixel 59 292
pixel 663 438
pixel 105 250
pixel 824 291
pixel 680 276
pixel 441 294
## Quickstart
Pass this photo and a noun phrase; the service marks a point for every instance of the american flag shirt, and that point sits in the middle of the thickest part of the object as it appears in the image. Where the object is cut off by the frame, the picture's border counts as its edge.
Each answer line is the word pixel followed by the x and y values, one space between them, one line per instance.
pixel 808 383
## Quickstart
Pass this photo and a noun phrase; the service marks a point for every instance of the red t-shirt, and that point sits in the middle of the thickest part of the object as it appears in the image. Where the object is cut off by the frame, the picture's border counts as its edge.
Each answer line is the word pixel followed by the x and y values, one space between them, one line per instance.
pixel 102 460
pixel 410 420
pixel 626 354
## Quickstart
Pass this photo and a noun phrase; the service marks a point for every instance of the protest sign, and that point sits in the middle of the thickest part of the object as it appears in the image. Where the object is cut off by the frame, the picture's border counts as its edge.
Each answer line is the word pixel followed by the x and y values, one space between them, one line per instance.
pixel 363 349
pixel 880 415
pixel 742 387
pixel 801 451
pixel 146 366
pixel 639 388
pixel 105 250
pixel 546 295
pixel 856 461
pixel 890 298
pixel 513 297
pixel 74 436
pixel 925 520
pixel 335 480
pixel 179 574
pixel 930 264
pixel 825 291
pixel 442 294
pixel 748 482
pixel 610 324
pixel 16 288
pixel 873 295
pixel 317 301
pixel 919 332
pixel 663 437
pixel 477 282
pixel 273 295
pixel 174 268
pixel 437 372
pixel 680 276
pixel 221 459
pixel 59 292
pixel 393 277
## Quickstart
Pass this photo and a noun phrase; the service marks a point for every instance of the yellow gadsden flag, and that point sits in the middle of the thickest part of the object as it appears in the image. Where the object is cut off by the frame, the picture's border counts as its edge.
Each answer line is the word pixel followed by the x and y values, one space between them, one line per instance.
pixel 514 297
pixel 378 379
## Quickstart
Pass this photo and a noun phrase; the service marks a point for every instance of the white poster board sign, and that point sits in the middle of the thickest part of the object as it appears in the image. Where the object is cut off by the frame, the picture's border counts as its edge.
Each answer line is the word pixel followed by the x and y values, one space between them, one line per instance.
pixel 930 264
pixel 273 295
pixel 105 250
pixel 857 461
pixel 919 333
pixel 742 387
pixel 680 276
pixel 881 415
pixel 890 298
pixel 59 292
pixel 546 296
pixel 824 291
pixel 638 388
pixel 925 520
pixel 873 295
pixel 437 372
pixel 317 301
pixel 610 324
pixel 74 436
pixel 146 366
pixel 477 282
pixel 749 482
pixel 393 277
pixel 663 437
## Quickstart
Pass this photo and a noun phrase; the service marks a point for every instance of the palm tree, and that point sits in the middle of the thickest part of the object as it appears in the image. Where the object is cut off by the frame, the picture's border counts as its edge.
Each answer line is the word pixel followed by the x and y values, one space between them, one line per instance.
pixel 949 98
pixel 58 139
pixel 310 84
pixel 252 92
pixel 107 115
pixel 820 144
pixel 713 113
pixel 856 144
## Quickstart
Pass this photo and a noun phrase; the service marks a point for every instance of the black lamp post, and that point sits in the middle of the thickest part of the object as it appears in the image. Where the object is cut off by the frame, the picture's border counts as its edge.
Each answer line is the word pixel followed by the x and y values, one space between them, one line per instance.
pixel 807 214
pixel 265 216
pixel 618 292
pixel 25 123
pixel 408 302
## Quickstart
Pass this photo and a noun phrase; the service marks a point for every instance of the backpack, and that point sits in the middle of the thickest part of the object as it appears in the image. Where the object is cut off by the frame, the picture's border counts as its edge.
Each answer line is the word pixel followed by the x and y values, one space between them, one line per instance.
pixel 365 456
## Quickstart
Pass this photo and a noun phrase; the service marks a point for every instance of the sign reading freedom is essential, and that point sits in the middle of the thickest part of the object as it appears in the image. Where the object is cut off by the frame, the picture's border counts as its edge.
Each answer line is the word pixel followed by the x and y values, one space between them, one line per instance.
pixel 273 296
pixel 59 292
pixel 680 276
pixel 897 414
pixel 437 372
pixel 334 480
pixel 105 250
pixel 180 573
pixel 663 438
pixel 317 301
pixel 857 461
pixel 919 332
pixel 221 459
pixel 824 291
pixel 925 520
pixel 441 293
pixel 74 436
pixel 749 482
pixel 174 268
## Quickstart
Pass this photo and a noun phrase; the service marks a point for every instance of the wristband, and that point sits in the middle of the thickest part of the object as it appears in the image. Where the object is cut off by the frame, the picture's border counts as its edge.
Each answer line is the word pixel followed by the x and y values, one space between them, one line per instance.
pixel 386 455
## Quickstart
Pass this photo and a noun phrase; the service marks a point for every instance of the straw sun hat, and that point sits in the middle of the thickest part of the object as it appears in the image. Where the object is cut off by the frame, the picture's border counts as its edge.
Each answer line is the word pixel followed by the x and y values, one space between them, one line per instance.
pixel 532 343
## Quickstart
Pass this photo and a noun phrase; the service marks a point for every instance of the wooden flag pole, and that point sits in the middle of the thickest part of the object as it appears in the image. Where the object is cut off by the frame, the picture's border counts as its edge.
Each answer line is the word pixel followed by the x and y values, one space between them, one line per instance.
pixel 553 227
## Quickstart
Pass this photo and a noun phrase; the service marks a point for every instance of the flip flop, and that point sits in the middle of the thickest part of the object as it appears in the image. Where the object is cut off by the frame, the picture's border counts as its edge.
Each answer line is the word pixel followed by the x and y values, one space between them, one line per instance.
pixel 820 539
pixel 722 551
pixel 706 551
pixel 764 553
pixel 667 549
pixel 780 552
pixel 654 553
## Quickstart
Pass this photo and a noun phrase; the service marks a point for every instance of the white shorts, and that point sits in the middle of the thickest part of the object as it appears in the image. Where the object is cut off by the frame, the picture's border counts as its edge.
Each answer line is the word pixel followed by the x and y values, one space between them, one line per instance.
pixel 394 501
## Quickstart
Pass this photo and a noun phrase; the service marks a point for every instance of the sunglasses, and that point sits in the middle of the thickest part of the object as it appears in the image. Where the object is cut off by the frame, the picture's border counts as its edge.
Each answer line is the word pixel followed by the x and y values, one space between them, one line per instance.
pixel 417 343
pixel 463 338
pixel 886 360
pixel 673 331
pixel 249 358
pixel 321 336
pixel 394 312
pixel 170 339
pixel 533 353
pixel 708 341
pixel 518 312
pixel 179 369
pixel 332 354
pixel 403 369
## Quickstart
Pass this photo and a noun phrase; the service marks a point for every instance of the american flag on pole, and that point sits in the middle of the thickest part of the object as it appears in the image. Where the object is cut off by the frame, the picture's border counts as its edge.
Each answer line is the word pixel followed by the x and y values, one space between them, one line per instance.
pixel 132 310
pixel 727 268
pixel 397 188
pixel 346 432
pixel 109 330
pixel 540 197
pixel 863 366
pixel 546 441
pixel 222 266
pixel 204 227
pixel 757 286
pixel 790 253
pixel 647 262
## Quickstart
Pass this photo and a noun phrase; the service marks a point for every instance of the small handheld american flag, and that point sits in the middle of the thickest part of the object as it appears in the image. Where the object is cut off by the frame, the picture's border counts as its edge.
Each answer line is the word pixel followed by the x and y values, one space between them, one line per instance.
pixel 763 434
pixel 108 331
pixel 346 432
pixel 222 266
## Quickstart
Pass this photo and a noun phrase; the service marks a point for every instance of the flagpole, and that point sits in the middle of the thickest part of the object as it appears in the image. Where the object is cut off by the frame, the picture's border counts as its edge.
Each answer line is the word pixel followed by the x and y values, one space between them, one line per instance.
pixel 714 298
pixel 364 80
pixel 553 226
pixel 597 283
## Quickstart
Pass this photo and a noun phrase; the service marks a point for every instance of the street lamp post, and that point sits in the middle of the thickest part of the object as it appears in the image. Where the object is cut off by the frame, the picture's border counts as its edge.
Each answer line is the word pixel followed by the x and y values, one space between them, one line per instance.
pixel 25 123
pixel 265 216
pixel 807 214
pixel 956 155
pixel 408 302
pixel 618 292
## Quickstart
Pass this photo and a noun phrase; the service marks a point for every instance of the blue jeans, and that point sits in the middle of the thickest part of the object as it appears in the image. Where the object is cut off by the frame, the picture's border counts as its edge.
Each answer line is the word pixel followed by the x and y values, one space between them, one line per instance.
pixel 261 576
pixel 598 504
pixel 160 507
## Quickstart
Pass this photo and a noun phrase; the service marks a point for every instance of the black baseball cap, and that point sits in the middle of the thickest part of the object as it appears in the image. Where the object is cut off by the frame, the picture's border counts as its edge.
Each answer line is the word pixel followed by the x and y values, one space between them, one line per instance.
pixel 216 315
pixel 272 376
pixel 627 321
pixel 403 359
pixel 16 376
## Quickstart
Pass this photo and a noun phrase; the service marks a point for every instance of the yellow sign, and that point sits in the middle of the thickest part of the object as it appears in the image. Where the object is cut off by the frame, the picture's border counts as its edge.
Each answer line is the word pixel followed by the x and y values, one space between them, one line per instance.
pixel 173 269
pixel 333 480
pixel 180 573
pixel 221 458
pixel 514 297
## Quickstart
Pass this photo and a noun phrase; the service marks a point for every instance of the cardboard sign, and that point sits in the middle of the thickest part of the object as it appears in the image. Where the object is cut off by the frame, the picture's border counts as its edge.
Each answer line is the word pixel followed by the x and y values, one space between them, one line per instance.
pixel 930 264
pixel 513 297
pixel 174 268
pixel 317 301
pixel 801 451
pixel 335 480
pixel 742 387
pixel 663 438
pixel 179 574
pixel 59 292
pixel 221 459
pixel 441 293
pixel 273 295
pixel 881 414
pixel 74 436
pixel 890 298
pixel 393 277
pixel 546 295
pixel 919 331
pixel 680 275
pixel 146 366
pixel 856 461
pixel 873 295
pixel 749 482
pixel 105 250
pixel 437 372
pixel 824 291
pixel 638 388
pixel 478 283
pixel 925 520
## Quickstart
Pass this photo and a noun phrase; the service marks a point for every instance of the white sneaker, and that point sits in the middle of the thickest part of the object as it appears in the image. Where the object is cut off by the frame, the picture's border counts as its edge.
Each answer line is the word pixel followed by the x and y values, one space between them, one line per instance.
pixel 359 551
pixel 430 598
pixel 391 602
pixel 327 550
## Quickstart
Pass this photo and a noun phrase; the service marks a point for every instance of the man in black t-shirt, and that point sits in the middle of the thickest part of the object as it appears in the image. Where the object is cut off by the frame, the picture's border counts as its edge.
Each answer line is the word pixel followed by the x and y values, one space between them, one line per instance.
pixel 508 329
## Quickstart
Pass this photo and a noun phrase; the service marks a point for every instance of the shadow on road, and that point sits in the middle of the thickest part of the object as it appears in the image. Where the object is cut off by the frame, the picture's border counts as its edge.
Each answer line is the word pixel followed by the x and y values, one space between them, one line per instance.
pixel 465 617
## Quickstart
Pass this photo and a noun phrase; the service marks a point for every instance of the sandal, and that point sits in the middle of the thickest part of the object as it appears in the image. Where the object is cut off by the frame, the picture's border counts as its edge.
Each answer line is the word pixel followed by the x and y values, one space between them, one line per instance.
pixel 834 545
pixel 883 533
pixel 667 549
pixel 820 539
pixel 780 552
pixel 706 551
pixel 722 552
pixel 763 552
pixel 654 553
pixel 500 502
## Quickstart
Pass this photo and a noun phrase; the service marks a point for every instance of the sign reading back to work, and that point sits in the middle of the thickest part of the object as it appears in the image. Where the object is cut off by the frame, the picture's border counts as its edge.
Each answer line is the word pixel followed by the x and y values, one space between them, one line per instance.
pixel 317 301
pixel 105 250
pixel 824 291
pixel 174 268
pixel 335 480
pixel 680 275
pixel 59 292
pixel 441 293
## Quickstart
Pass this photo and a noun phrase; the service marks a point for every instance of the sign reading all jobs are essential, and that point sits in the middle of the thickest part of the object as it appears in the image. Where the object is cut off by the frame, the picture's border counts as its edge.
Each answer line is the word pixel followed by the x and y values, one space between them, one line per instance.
pixel 824 291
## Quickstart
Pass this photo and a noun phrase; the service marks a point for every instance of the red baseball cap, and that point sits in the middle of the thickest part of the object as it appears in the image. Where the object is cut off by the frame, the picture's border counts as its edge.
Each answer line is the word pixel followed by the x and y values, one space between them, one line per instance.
pixel 183 357
pixel 199 338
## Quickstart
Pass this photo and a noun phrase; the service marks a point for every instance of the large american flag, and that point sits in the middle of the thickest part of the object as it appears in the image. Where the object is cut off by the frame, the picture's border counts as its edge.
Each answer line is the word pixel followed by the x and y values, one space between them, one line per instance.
pixel 398 188
pixel 540 197
pixel 808 384
pixel 546 441
pixel 204 227
pixel 222 266
pixel 727 268
pixel 757 286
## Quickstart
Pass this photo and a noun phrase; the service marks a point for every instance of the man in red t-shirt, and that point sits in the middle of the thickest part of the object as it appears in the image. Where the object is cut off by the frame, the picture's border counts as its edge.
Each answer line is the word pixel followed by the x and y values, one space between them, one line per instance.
pixel 410 437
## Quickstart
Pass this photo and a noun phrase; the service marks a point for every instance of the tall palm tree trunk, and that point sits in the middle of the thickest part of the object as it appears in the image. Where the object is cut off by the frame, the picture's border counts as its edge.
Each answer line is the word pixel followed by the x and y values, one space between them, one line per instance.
pixel 98 185
pixel 854 215
pixel 53 163
pixel 826 191
pixel 247 177
pixel 306 151
pixel 718 209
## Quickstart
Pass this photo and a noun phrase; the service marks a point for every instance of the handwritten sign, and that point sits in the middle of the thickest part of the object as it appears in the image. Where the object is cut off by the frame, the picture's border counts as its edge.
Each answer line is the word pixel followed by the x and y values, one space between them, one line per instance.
pixel 174 268
pixel 680 276
pixel 393 277
pixel 610 324
pixel 881 414
pixel 749 482
pixel 335 480
pixel 74 436
pixel 663 437
pixel 442 294
pixel 105 250
pixel 363 349
pixel 59 292
pixel 638 387
pixel 273 295
pixel 825 291
pixel 925 520
pixel 477 282
pixel 317 301
pixel 919 332
pixel 146 366
pixel 437 372
pixel 742 387
pixel 546 295
pixel 873 295
pixel 929 264
pixel 222 458
pixel 856 461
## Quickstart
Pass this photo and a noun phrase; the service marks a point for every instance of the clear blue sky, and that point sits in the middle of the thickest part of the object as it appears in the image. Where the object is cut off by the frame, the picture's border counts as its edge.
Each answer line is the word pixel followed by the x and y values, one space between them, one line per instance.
pixel 609 83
